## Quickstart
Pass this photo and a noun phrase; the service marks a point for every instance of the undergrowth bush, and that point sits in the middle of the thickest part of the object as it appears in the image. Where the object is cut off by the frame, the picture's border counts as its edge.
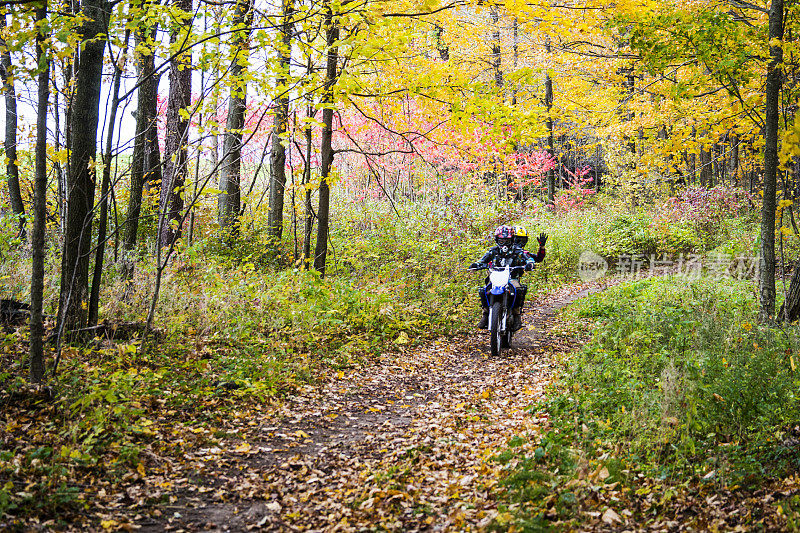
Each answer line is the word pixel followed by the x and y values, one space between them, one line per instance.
pixel 9 234
pixel 240 323
pixel 678 384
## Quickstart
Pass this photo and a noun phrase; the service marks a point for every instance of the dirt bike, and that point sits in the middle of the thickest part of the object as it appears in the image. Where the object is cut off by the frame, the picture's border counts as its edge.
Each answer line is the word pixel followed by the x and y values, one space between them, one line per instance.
pixel 500 296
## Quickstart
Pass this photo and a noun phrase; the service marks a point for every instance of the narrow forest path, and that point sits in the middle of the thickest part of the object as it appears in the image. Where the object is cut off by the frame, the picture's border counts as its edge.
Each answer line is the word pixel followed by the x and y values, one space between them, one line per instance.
pixel 401 445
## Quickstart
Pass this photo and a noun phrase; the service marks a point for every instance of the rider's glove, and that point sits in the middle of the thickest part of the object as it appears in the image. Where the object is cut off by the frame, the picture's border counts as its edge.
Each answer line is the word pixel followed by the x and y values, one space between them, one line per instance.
pixel 542 239
pixel 528 266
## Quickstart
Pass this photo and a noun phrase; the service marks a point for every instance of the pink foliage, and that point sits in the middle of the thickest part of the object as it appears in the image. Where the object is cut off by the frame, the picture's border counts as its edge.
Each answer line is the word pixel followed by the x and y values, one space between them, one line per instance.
pixel 404 147
pixel 384 150
pixel 579 189
pixel 256 134
pixel 529 168
pixel 706 206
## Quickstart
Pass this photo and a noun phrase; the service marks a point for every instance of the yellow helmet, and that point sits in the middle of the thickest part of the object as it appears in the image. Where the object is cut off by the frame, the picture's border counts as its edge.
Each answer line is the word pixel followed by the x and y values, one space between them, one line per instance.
pixel 520 236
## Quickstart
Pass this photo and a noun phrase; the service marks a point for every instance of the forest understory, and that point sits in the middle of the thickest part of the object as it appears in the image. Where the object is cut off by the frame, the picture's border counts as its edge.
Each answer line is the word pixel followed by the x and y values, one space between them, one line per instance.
pixel 234 239
pixel 405 444
pixel 428 437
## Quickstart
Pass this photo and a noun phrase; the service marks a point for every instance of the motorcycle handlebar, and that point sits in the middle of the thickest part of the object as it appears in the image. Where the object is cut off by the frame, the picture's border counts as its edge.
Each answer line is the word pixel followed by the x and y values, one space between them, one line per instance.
pixel 496 268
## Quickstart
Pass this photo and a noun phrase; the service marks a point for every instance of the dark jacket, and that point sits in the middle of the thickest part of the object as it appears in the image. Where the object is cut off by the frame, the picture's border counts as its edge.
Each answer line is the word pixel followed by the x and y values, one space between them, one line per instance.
pixel 495 256
pixel 538 257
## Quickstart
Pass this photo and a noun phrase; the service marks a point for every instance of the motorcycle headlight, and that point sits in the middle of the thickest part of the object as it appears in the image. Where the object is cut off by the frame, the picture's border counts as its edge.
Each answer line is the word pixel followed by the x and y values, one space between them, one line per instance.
pixel 499 278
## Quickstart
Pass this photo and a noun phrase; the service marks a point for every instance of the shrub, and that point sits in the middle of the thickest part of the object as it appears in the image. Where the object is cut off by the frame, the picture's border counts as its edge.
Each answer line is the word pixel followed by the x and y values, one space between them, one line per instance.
pixel 678 387
pixel 680 364
pixel 707 208
pixel 9 234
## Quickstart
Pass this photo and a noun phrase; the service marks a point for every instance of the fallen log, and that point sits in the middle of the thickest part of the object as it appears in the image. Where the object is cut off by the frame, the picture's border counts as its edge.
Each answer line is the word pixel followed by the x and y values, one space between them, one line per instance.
pixel 13 312
pixel 109 330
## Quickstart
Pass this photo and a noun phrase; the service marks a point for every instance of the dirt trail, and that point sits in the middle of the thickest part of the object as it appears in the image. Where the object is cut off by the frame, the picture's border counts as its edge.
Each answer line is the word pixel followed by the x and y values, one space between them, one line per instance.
pixel 403 445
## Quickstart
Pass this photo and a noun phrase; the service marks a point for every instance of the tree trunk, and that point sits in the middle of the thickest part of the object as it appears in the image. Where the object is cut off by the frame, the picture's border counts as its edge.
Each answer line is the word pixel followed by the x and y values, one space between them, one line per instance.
pixel 734 163
pixel 692 163
pixel 795 178
pixel 39 207
pixel 790 310
pixel 773 90
pixel 58 170
pixel 497 58
pixel 309 220
pixel 230 198
pixel 706 170
pixel 10 143
pixel 63 172
pixel 102 226
pixel 309 213
pixel 444 50
pixel 175 144
pixel 215 92
pixel 548 102
pixel 70 72
pixel 278 153
pixel 82 173
pixel 214 139
pixel 146 162
pixel 515 38
pixel 326 148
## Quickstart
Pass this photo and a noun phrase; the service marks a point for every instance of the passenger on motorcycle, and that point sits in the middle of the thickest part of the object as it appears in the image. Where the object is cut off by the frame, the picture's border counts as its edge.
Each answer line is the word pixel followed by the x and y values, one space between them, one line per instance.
pixel 520 262
pixel 521 240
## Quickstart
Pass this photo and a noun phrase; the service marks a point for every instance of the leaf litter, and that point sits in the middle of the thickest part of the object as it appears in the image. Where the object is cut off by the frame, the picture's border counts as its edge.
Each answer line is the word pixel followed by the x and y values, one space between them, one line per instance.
pixel 404 444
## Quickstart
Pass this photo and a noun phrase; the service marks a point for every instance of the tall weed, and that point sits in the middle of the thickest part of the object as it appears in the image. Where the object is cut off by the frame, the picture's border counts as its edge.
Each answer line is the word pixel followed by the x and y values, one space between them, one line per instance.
pixel 681 378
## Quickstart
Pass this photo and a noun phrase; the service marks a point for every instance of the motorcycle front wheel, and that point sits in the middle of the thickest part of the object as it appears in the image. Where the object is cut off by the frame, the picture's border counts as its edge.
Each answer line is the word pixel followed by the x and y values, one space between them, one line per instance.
pixel 506 340
pixel 494 330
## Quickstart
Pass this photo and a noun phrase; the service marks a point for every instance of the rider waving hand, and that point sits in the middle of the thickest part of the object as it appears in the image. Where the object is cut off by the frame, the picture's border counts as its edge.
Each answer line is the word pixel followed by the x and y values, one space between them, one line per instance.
pixel 521 240
pixel 505 253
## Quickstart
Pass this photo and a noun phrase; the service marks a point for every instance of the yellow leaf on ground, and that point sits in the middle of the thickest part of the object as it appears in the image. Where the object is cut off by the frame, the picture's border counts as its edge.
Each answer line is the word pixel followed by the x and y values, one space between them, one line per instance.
pixel 243 447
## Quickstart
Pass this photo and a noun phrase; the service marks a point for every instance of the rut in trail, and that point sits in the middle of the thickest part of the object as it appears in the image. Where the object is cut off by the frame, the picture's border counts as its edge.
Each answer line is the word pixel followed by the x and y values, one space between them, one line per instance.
pixel 402 445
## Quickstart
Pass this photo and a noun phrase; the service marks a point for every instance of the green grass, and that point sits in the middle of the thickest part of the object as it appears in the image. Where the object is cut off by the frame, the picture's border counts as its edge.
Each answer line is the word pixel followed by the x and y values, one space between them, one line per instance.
pixel 242 325
pixel 678 385
pixel 667 350
pixel 239 327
